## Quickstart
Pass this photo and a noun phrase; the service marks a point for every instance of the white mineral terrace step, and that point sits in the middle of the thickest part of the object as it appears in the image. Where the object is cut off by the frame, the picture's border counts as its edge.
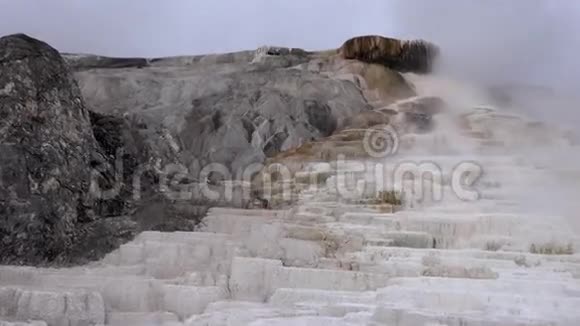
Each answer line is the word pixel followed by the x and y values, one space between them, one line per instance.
pixel 325 262
pixel 21 323
pixel 51 306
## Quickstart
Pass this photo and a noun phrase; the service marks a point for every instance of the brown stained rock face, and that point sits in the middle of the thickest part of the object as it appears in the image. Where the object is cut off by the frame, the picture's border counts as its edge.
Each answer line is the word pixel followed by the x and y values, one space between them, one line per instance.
pixel 405 56
pixel 406 116
pixel 381 85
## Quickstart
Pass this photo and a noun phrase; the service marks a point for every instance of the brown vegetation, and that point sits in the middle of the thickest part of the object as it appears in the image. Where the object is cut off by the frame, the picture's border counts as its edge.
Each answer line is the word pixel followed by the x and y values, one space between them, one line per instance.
pixel 389 197
pixel 552 248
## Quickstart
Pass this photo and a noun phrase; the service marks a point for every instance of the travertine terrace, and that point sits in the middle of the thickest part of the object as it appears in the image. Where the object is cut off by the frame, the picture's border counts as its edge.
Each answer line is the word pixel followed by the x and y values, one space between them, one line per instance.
pixel 479 254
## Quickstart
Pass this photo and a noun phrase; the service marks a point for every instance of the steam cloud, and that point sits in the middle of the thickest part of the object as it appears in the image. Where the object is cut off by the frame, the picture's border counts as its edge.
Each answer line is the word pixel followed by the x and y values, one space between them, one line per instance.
pixel 517 44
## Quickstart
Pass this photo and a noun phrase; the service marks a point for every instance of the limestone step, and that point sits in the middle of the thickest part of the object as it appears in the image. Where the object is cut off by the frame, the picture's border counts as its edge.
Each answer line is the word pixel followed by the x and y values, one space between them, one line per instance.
pixel 396 316
pixel 285 297
pixel 550 309
pixel 75 308
pixel 122 294
pixel 247 212
pixel 370 253
pixel 185 301
pixel 225 313
pixel 348 320
pixel 476 269
pixel 462 299
pixel 7 322
pixel 448 230
pixel 374 219
pixel 167 260
pixel 311 218
pixel 139 252
pixel 181 237
pixel 245 272
pixel 142 319
pixel 408 239
pixel 234 224
pixel 516 286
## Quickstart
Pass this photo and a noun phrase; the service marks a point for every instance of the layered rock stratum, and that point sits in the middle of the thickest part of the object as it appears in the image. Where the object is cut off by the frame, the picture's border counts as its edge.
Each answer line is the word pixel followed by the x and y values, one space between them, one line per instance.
pixel 341 187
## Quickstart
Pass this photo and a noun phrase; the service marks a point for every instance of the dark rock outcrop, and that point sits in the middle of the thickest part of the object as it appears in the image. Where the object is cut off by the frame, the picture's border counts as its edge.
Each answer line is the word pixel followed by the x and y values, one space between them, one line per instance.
pixel 68 176
pixel 47 141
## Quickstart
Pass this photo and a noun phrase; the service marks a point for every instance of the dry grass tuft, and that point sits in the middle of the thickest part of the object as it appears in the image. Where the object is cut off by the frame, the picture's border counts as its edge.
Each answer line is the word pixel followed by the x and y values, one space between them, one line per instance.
pixel 390 197
pixel 552 248
pixel 493 245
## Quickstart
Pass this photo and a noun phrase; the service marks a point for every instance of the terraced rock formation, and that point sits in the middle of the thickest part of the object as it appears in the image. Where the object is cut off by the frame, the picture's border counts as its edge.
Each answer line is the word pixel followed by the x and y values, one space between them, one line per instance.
pixel 438 221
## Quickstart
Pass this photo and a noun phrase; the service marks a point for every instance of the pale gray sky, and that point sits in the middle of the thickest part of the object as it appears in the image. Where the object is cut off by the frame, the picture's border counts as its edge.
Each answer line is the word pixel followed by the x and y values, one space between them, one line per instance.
pixel 522 40
pixel 171 27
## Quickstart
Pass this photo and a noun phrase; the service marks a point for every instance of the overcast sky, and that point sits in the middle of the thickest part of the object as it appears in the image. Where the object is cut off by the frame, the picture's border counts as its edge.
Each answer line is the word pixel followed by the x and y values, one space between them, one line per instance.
pixel 170 27
pixel 529 40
